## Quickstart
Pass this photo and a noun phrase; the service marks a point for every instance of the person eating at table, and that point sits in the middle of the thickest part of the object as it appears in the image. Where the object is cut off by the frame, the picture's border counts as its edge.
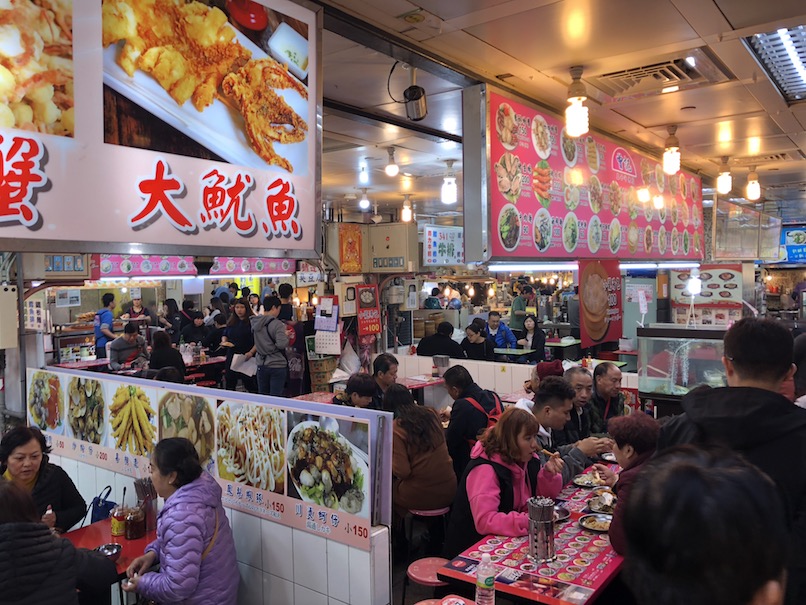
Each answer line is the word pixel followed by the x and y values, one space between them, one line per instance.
pixel 607 400
pixel 194 547
pixel 441 343
pixel 635 437
pixel 40 568
pixel 499 332
pixel 532 338
pixel 358 393
pixel 384 371
pixel 24 461
pixel 163 354
pixel 503 473
pixel 212 342
pixel 579 427
pixel 195 332
pixel 129 349
pixel 476 345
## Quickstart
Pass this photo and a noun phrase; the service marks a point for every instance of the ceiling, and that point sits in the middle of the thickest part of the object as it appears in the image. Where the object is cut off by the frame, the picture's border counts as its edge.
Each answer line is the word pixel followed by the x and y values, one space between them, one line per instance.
pixel 527 47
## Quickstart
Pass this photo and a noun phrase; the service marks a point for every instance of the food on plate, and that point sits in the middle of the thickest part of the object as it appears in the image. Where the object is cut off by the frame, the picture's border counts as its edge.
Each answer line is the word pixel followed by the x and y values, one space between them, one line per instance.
pixel 594 301
pixel 615 198
pixel 165 265
pixel 662 241
pixel 251 445
pixel 604 503
pixel 542 230
pixel 662 213
pixel 506 125
pixel 632 237
pixel 685 242
pixel 367 297
pixel 726 276
pixel 633 205
pixel 597 522
pixel 707 294
pixel 685 214
pixel 796 237
pixel 85 409
pixel 571 197
pixel 714 286
pixel 145 266
pixel 695 191
pixel 592 154
pixel 731 286
pixel 508 176
pixel 648 211
pixel 594 234
pixel 267 117
pixel 660 178
pixel 36 75
pixel 131 420
pixel 541 181
pixel 695 216
pixel 323 468
pixel 647 239
pixel 683 186
pixel 509 227
pixel 674 185
pixel 725 294
pixel 561 513
pixel 126 266
pixel 592 479
pixel 675 241
pixel 45 400
pixel 705 276
pixel 568 146
pixel 675 213
pixel 188 416
pixel 541 138
pixel 614 238
pixel 570 232
pixel 595 194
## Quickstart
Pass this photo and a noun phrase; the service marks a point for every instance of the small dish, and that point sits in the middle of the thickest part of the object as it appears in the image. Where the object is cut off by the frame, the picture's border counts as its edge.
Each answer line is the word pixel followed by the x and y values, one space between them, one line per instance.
pixel 596 522
pixel 110 551
pixel 561 513
pixel 609 456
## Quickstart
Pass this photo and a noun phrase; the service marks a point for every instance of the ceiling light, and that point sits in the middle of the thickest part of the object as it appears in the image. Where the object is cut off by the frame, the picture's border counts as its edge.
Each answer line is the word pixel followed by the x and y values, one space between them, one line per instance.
pixel 391 167
pixel 657 201
pixel 670 89
pixel 576 114
pixel 671 157
pixel 753 187
pixel 450 192
pixel 363 176
pixel 363 203
pixel 724 182
pixel 692 62
pixel 471 292
pixel 405 214
pixel 491 292
pixel 644 195
pixel 694 283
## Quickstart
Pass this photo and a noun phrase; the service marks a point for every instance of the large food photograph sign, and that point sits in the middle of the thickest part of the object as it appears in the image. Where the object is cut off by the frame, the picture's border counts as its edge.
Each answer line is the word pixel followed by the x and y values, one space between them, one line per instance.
pixel 160 121
pixel 555 196
pixel 308 471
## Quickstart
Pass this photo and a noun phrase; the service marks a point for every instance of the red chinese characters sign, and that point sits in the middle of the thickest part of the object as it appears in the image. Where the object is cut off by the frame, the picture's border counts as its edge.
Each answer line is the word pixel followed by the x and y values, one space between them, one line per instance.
pixel 22 176
pixel 369 313
pixel 600 313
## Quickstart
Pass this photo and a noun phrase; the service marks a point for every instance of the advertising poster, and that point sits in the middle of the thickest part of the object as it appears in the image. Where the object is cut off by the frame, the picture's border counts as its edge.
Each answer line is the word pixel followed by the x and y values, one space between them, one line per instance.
pixel 600 312
pixel 719 302
pixel 236 265
pixel 793 244
pixel 369 313
pixel 555 196
pixel 162 116
pixel 443 245
pixel 350 246
pixel 133 265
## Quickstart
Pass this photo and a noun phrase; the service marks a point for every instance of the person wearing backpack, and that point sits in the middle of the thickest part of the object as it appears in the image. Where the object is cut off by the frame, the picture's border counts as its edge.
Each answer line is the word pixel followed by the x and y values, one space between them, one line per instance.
pixel 503 473
pixel 473 410
pixel 271 341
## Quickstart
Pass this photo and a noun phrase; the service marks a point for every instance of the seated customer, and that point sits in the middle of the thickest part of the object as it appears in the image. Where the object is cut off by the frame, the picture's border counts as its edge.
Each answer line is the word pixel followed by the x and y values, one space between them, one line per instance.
pixel 129 349
pixel 579 427
pixel 705 528
pixel 359 391
pixel 532 337
pixel 502 475
pixel 499 332
pixel 607 400
pixel 213 339
pixel 636 437
pixel 195 332
pixel 441 343
pixel 476 345
pixel 163 354
pixel 422 470
pixel 384 371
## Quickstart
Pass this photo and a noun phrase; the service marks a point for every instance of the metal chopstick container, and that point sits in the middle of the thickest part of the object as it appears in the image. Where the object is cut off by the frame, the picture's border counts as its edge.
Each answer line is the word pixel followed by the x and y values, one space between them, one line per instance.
pixel 541 530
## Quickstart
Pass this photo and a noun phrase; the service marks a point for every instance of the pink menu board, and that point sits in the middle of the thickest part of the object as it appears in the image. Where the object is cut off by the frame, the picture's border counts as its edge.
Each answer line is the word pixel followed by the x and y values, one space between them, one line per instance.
pixel 555 196
pixel 234 265
pixel 134 265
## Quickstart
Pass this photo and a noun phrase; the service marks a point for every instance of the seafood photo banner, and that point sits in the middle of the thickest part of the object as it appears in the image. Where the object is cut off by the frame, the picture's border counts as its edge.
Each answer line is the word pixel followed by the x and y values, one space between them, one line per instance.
pixel 166 123
pixel 719 302
pixel 296 463
pixel 600 312
pixel 555 196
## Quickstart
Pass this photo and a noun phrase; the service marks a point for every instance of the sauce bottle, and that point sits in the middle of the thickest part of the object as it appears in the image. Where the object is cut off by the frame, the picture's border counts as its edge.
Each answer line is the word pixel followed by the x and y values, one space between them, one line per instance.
pixel 119 521
pixel 135 524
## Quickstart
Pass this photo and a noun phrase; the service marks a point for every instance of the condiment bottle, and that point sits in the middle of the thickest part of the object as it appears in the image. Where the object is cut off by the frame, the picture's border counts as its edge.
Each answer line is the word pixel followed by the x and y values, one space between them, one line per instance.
pixel 135 524
pixel 119 521
pixel 434 371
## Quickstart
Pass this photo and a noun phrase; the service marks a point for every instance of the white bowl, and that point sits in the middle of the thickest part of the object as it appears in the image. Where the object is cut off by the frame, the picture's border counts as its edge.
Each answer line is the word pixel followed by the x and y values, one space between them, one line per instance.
pixel 287 46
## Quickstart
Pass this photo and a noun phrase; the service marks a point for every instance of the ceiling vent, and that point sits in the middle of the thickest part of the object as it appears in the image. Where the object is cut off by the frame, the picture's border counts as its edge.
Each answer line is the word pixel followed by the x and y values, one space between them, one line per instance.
pixel 758 160
pixel 695 68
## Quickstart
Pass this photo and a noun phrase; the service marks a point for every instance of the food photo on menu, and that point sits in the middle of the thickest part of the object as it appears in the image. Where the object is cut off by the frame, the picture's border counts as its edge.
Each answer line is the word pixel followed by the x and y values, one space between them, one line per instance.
pixel 241 98
pixel 328 462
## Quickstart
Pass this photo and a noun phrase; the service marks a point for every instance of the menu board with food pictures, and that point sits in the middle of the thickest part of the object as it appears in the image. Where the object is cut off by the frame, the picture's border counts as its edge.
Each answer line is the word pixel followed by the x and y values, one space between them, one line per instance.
pixel 600 312
pixel 304 470
pixel 719 302
pixel 556 196
pixel 235 265
pixel 191 125
pixel 793 244
pixel 134 265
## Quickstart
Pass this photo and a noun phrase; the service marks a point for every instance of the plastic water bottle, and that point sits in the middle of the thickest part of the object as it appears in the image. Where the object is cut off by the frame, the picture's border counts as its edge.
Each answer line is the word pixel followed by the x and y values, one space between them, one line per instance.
pixel 485 581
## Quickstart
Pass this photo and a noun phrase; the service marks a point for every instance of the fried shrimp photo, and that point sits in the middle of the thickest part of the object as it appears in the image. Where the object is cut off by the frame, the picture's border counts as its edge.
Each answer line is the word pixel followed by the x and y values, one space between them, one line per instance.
pixel 131 420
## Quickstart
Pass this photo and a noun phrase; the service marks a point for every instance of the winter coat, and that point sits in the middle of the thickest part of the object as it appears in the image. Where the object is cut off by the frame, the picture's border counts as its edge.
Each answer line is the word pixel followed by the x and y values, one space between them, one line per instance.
pixel 579 427
pixel 480 351
pixel 271 340
pixel 439 344
pixel 165 357
pixel 504 337
pixel 465 425
pixel 770 431
pixel 185 527
pixel 622 489
pixel 601 412
pixel 491 498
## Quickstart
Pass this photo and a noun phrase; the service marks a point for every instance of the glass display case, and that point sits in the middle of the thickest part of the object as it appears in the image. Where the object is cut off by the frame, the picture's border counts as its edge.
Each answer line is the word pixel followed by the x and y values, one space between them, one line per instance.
pixel 672 360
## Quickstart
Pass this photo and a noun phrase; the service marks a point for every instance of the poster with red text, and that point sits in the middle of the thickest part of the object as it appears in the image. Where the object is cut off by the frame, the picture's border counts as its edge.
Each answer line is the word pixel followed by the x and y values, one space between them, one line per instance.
pixel 369 313
pixel 600 313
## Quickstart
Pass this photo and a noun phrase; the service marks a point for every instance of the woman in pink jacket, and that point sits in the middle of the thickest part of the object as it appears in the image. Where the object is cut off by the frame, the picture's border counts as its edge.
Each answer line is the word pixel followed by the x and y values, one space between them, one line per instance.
pixel 502 475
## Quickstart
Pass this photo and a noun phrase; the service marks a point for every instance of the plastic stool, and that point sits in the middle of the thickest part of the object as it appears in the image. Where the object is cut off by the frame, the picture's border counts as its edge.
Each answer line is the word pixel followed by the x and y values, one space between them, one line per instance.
pixel 424 515
pixel 424 573
pixel 193 377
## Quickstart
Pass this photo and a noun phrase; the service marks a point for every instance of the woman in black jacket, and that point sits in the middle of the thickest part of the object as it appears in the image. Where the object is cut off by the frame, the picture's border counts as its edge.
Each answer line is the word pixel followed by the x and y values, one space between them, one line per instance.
pixel 171 319
pixel 164 355
pixel 38 567
pixel 24 461
pixel 476 344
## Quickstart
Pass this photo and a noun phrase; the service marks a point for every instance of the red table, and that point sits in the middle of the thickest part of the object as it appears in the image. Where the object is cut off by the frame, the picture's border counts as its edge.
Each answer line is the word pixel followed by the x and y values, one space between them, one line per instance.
pixel 585 562
pixel 89 364
pixel 100 532
pixel 516 396
pixel 317 397
pixel 421 382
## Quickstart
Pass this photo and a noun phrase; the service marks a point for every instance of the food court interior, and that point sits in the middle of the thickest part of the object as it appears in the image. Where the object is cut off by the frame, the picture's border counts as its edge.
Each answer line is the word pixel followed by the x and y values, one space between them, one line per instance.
pixel 449 184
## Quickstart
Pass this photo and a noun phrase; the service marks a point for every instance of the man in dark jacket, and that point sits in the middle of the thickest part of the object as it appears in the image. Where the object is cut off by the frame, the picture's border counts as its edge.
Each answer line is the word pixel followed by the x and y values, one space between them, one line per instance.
pixel 751 417
pixel 441 343
pixel 579 427
pixel 607 400
pixel 466 421
pixel 384 371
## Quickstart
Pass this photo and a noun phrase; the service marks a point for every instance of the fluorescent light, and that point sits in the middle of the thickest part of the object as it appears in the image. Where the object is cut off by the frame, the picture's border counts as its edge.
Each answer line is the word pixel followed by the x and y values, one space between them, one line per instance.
pixel 363 176
pixel 792 52
pixel 692 62
pixel 670 89
pixel 676 265
pixel 527 267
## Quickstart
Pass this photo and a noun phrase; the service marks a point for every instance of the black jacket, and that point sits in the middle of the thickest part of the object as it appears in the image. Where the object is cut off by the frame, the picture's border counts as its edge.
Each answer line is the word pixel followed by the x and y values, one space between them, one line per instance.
pixel 438 344
pixel 465 425
pixel 601 412
pixel 483 351
pixel 213 340
pixel 770 432
pixel 162 358
pixel 579 427
pixel 192 333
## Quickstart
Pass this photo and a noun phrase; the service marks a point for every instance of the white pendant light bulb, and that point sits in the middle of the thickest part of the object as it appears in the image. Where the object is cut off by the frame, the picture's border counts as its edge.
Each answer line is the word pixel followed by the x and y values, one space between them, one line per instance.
pixel 671 157
pixel 392 169
pixel 576 114
pixel 724 182
pixel 643 195
pixel 657 201
pixel 363 203
pixel 363 176
pixel 405 214
pixel 450 193
pixel 491 292
pixel 753 187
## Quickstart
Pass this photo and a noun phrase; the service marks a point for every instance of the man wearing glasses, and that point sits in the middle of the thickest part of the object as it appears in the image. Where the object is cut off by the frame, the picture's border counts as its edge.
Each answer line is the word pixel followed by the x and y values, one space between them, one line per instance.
pixel 607 400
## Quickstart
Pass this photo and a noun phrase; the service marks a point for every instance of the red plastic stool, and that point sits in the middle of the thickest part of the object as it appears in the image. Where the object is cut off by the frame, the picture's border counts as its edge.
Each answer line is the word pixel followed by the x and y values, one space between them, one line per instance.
pixel 424 515
pixel 424 573
pixel 452 599
pixel 193 377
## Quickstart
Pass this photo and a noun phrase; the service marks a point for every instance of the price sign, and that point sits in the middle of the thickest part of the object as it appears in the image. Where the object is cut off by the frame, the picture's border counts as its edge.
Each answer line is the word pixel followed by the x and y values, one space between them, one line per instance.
pixel 369 313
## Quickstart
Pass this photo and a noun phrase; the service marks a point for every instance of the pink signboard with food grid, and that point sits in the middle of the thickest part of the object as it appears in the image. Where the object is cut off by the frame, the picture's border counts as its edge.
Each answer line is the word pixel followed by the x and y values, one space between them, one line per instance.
pixel 555 196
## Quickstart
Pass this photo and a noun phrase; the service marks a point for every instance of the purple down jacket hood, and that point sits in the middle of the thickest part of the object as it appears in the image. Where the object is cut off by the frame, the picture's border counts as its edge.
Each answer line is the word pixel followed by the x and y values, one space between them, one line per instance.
pixel 185 527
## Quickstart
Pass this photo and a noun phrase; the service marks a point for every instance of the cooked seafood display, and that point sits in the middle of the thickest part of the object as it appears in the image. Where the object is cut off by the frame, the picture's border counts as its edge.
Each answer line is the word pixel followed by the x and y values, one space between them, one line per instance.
pixel 188 416
pixel 131 420
pixel 541 181
pixel 323 468
pixel 508 176
pixel 615 198
pixel 506 126
pixel 541 139
pixel 45 400
pixel 85 409
pixel 595 194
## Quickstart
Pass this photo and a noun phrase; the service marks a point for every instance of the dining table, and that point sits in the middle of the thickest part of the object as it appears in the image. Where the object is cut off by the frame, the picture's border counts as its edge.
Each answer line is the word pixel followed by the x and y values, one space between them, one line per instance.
pixel 99 533
pixel 585 561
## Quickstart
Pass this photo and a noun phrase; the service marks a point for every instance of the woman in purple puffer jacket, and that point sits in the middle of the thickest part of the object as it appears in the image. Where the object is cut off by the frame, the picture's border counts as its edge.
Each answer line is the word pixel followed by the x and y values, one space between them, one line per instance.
pixel 194 544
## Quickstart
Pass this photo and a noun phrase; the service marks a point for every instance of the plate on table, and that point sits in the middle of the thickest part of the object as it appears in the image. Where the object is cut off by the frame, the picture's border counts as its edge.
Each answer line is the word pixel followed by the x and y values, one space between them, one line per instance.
pixel 588 480
pixel 561 513
pixel 596 522
pixel 609 456
pixel 597 504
